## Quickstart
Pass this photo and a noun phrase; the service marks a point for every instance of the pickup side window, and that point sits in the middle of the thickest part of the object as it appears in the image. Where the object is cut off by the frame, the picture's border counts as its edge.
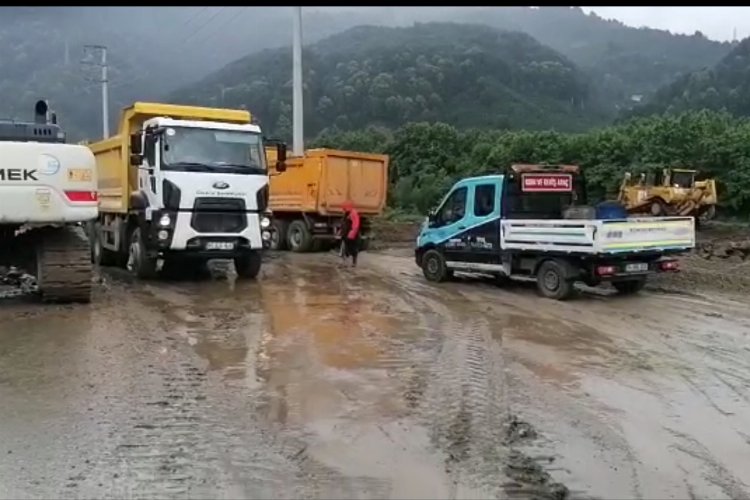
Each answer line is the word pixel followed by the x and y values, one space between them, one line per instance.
pixel 484 200
pixel 454 208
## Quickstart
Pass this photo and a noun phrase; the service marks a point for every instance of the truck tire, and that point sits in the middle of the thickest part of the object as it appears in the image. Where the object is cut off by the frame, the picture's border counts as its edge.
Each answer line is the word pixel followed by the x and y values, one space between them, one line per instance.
pixel 434 267
pixel 298 236
pixel 100 255
pixel 552 280
pixel 139 263
pixel 629 287
pixel 248 265
pixel 279 235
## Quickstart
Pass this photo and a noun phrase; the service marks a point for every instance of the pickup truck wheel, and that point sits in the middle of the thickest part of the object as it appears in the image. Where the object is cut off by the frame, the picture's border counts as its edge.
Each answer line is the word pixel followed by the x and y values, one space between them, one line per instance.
pixel 552 282
pixel 248 265
pixel 629 287
pixel 278 236
pixel 433 266
pixel 139 263
pixel 299 237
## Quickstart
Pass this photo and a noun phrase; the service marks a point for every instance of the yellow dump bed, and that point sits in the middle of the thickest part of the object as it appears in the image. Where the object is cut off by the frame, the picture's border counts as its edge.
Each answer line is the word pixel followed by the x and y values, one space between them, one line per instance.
pixel 323 179
pixel 117 179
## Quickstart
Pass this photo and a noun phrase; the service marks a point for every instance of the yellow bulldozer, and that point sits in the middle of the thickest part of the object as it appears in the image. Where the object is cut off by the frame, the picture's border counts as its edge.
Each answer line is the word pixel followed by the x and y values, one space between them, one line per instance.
pixel 669 192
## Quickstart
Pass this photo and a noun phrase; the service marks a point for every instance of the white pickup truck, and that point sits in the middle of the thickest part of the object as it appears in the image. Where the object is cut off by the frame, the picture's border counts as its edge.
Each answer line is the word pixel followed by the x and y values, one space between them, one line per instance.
pixel 515 226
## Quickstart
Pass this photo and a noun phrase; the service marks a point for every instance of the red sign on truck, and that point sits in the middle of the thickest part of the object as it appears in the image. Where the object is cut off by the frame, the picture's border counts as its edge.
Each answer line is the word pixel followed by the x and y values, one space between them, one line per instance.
pixel 547 183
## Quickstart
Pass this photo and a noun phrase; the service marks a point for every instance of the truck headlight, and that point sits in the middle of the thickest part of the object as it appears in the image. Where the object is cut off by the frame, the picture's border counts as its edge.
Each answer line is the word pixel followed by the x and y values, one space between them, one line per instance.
pixel 163 235
pixel 265 222
pixel 165 220
pixel 266 235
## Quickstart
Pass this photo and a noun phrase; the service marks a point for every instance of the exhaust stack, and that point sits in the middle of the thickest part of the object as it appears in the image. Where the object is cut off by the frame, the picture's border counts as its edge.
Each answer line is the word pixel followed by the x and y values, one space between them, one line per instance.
pixel 41 112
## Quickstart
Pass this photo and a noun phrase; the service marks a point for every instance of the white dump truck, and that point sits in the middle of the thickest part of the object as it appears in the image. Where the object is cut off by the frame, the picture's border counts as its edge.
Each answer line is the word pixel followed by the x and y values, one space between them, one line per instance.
pixel 47 191
pixel 182 185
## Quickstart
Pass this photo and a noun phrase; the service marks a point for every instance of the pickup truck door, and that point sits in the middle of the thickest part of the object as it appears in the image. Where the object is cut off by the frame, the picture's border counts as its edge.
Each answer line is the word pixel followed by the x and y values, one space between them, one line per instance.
pixel 449 223
pixel 482 234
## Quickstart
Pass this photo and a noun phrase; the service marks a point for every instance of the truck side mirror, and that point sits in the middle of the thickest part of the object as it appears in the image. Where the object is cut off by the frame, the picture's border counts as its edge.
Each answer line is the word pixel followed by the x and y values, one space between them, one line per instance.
pixel 281 157
pixel 135 144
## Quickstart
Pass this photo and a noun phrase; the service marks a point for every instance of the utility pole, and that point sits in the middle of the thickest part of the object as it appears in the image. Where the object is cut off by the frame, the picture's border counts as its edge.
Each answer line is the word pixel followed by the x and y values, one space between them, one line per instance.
pixel 298 146
pixel 102 50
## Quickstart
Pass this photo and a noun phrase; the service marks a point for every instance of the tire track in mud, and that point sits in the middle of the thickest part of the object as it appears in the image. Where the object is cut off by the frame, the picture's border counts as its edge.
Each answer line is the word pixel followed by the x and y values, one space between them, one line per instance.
pixel 465 401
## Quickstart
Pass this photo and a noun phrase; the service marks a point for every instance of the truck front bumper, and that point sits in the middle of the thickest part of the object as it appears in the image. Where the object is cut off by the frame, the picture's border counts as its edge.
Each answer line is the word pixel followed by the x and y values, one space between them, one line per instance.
pixel 179 235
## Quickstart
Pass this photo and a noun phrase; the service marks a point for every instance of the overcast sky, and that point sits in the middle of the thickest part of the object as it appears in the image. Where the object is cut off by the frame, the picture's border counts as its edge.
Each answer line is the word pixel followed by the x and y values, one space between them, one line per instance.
pixel 715 22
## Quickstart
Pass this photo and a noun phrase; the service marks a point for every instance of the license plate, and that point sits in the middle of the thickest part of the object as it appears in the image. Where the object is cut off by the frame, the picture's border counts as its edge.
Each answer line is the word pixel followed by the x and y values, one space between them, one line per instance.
pixel 638 267
pixel 79 175
pixel 219 245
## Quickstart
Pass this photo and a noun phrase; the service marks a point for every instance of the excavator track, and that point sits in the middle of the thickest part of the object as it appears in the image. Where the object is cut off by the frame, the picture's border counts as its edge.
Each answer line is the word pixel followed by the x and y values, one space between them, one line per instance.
pixel 63 265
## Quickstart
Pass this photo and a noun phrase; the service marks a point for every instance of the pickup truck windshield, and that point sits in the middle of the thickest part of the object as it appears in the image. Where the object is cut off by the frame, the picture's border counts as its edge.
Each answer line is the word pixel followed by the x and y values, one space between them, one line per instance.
pixel 207 150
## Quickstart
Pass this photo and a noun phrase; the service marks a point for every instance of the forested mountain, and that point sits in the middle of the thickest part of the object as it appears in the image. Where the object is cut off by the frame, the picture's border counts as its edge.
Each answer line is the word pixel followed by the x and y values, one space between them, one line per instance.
pixel 726 86
pixel 622 61
pixel 156 50
pixel 468 75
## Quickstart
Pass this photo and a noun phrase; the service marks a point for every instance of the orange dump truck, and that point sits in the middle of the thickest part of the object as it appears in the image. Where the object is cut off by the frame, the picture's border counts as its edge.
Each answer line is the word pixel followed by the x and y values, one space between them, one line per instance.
pixel 306 200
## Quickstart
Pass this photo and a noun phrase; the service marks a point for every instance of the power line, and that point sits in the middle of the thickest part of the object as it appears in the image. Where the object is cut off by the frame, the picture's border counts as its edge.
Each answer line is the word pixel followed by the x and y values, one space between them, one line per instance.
pixel 223 29
pixel 208 21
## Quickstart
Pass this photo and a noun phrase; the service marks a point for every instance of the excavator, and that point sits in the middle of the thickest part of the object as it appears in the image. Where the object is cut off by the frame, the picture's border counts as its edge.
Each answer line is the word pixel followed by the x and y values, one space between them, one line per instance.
pixel 669 192
pixel 47 195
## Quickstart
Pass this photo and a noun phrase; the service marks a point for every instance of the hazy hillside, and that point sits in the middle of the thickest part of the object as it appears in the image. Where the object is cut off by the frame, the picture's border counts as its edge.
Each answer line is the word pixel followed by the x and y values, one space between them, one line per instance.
pixel 621 60
pixel 155 50
pixel 468 75
pixel 726 86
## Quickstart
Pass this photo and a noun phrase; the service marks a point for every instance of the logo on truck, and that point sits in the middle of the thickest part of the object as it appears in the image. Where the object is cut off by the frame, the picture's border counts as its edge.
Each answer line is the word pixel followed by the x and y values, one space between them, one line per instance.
pixel 220 185
pixel 48 164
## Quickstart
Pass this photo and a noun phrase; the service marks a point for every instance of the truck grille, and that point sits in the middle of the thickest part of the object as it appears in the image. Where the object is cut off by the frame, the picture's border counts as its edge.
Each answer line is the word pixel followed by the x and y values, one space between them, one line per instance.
pixel 219 215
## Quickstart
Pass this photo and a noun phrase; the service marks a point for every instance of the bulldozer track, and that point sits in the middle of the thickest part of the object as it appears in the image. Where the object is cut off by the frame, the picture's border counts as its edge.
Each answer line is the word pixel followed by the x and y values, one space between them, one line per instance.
pixel 64 268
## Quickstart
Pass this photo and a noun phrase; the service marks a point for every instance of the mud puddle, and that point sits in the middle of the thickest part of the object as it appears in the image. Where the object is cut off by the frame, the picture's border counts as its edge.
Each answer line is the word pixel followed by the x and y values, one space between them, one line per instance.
pixel 624 393
pixel 322 382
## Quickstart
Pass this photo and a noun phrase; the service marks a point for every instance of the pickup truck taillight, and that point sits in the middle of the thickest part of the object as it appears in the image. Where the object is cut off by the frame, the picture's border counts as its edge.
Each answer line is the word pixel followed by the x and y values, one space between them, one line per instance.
pixel 82 196
pixel 606 270
pixel 670 265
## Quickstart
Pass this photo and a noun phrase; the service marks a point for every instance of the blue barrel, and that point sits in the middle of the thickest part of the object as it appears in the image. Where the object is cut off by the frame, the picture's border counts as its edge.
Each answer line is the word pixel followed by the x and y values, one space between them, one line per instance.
pixel 608 210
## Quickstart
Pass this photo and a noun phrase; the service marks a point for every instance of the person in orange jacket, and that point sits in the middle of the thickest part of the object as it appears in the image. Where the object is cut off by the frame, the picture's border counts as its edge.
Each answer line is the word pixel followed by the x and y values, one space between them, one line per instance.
pixel 350 231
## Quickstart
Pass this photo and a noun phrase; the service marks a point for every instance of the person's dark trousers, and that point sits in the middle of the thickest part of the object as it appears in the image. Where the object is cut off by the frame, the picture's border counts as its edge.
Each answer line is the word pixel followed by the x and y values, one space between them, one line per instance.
pixel 351 248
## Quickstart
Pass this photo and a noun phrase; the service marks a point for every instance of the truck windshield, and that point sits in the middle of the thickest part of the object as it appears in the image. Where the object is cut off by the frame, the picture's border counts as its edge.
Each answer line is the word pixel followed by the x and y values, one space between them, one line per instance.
pixel 210 150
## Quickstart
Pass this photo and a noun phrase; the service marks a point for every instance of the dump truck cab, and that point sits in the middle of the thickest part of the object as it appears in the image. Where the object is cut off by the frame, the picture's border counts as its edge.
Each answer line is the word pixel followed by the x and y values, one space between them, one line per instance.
pixel 199 179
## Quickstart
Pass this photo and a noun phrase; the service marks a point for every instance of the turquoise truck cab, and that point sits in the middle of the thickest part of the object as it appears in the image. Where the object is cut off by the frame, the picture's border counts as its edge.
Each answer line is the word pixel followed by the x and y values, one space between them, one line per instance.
pixel 532 223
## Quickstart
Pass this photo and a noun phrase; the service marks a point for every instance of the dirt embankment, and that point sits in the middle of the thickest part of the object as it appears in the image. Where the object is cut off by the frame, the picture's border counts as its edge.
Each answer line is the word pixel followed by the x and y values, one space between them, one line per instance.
pixel 720 261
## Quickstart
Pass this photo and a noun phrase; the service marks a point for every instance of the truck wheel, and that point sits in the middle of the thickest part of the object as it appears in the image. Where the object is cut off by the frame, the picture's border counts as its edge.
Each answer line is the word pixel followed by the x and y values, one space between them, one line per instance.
pixel 657 209
pixel 552 282
pixel 298 236
pixel 248 265
pixel 629 287
pixel 433 266
pixel 139 263
pixel 278 236
pixel 100 255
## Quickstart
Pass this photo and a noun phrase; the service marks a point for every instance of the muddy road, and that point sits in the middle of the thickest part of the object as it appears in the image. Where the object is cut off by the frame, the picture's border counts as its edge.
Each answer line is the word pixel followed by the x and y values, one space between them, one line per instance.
pixel 317 382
